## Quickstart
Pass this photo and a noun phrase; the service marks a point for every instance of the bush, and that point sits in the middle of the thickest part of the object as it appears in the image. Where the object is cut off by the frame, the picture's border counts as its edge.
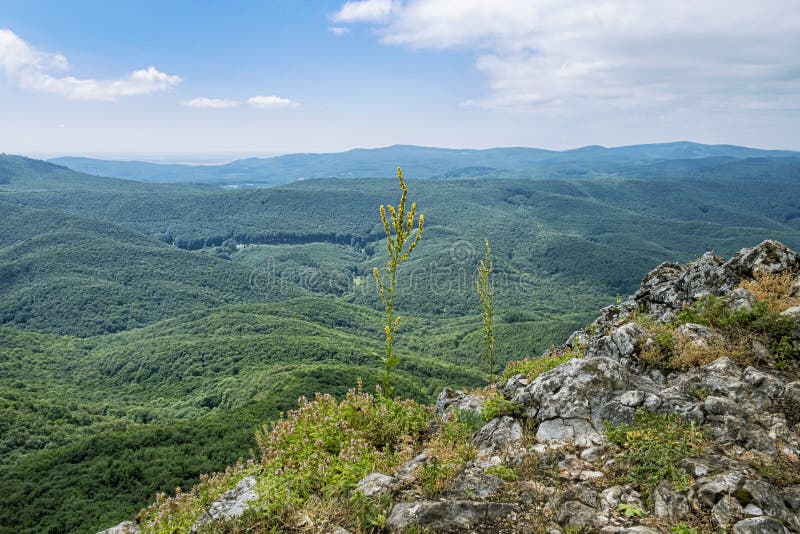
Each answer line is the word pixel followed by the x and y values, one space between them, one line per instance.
pixel 451 448
pixel 533 367
pixel 652 446
pixel 314 454
pixel 496 405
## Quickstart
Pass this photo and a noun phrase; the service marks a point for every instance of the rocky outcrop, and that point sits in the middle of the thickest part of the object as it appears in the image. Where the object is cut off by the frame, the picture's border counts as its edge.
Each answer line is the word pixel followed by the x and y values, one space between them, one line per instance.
pixel 745 412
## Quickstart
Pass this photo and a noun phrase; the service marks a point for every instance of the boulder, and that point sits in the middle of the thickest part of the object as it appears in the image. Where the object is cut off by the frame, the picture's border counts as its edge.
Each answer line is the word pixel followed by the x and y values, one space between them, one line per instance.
pixel 450 399
pixel 768 256
pixel 445 516
pixel 232 503
pixel 498 433
pixel 759 525
pixel 572 401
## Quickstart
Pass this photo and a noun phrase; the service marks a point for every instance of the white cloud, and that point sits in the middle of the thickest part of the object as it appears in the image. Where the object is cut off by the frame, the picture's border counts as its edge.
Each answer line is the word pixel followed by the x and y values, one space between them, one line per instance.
pixel 364 10
pixel 568 56
pixel 339 30
pixel 271 102
pixel 217 103
pixel 36 70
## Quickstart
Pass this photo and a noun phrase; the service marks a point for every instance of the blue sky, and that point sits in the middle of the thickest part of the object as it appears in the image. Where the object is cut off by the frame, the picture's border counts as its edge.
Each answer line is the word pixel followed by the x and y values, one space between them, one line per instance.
pixel 202 80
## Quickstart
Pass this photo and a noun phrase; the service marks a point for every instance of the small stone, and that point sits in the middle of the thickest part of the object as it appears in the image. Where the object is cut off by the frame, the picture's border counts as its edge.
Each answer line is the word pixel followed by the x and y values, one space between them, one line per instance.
pixel 593 453
pixel 794 311
pixel 726 512
pixel 376 484
pixel 632 399
pixel 450 399
pixel 126 527
pixel 752 509
pixel 668 503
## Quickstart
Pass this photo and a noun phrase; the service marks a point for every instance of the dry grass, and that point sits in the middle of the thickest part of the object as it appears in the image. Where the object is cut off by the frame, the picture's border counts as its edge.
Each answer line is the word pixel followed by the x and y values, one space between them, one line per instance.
pixel 773 288
pixel 689 354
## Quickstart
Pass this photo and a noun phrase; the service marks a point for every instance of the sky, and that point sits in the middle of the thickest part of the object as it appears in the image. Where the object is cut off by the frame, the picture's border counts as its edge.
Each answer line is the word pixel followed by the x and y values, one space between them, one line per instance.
pixel 206 80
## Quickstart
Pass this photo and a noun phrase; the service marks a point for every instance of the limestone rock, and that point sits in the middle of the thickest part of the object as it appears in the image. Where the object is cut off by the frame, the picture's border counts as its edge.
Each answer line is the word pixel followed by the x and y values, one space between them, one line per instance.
pixel 498 433
pixel 571 401
pixel 450 399
pixel 758 525
pixel 376 484
pixel 668 503
pixel 126 527
pixel 232 503
pixel 445 516
pixel 726 512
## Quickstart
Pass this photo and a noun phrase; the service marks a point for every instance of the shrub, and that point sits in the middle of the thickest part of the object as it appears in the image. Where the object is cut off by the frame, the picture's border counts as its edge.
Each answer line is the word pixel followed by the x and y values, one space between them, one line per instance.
pixel 451 448
pixel 773 288
pixel 652 446
pixel 310 460
pixel 495 405
pixel 502 472
pixel 533 367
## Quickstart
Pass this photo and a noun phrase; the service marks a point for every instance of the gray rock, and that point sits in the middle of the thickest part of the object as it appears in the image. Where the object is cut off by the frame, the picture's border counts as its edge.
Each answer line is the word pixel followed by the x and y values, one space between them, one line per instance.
pixel 668 503
pixel 794 311
pixel 445 516
pixel 475 485
pixel 450 399
pixel 407 472
pixel 726 512
pixel 768 256
pixel 752 510
pixel 126 527
pixel 638 529
pixel 579 431
pixel 791 496
pixel 741 299
pixel 711 489
pixel 699 335
pixel 576 514
pixel 232 503
pixel 498 433
pixel 340 530
pixel 759 525
pixel 572 401
pixel 513 385
pixel 770 501
pixel 376 484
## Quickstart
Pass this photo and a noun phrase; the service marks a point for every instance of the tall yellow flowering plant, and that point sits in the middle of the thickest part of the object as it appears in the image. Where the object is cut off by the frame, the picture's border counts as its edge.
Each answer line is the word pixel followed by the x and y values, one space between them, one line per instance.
pixel 400 241
pixel 483 285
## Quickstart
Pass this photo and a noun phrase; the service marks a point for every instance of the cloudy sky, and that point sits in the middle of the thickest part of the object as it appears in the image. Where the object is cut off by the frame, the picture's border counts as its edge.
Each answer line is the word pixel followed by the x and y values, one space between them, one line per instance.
pixel 207 80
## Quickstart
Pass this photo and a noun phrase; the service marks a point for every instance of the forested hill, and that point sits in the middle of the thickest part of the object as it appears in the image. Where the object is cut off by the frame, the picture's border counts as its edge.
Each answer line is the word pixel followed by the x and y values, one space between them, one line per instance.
pixel 427 162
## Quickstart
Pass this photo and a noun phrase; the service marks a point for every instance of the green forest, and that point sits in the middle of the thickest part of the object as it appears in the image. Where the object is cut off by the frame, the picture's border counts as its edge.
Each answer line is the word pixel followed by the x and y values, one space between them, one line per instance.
pixel 147 329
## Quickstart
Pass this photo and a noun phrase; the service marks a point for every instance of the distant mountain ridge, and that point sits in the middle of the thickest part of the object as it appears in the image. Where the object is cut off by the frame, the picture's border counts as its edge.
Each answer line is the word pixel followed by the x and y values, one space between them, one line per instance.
pixel 425 162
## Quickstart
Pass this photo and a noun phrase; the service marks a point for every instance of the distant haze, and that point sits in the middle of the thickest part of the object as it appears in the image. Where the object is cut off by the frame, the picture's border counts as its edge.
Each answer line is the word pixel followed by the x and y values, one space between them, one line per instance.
pixel 167 80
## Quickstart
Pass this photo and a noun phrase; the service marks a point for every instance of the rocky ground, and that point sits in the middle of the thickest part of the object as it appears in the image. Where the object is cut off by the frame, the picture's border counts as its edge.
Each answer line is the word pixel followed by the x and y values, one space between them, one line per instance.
pixel 553 462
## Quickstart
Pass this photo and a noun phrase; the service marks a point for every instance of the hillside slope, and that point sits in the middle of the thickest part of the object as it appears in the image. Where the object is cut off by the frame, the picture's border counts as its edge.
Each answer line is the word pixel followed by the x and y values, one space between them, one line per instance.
pixel 677 410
